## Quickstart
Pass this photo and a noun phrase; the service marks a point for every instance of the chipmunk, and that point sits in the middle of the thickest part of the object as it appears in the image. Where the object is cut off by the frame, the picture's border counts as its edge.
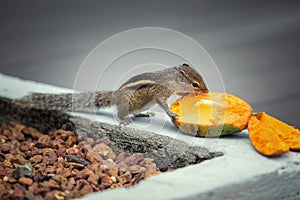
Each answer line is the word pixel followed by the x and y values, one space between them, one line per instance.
pixel 135 95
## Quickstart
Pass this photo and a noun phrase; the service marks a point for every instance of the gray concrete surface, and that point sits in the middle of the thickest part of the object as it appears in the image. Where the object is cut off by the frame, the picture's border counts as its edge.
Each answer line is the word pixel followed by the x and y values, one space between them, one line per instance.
pixel 241 173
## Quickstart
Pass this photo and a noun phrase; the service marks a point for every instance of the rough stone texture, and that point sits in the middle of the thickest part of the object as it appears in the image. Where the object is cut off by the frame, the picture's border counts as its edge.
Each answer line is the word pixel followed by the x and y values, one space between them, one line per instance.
pixel 167 152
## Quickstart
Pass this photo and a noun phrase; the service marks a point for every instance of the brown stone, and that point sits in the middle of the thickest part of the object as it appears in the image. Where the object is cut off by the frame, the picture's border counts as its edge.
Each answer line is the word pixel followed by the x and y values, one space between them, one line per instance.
pixel 84 173
pixel 51 184
pixel 104 151
pixel 58 143
pixel 151 173
pixel 137 169
pixel 103 140
pixel 60 195
pixel 80 183
pixel 50 195
pixel 76 165
pixel 114 179
pixel 2 190
pixel 18 192
pixel 73 150
pixel 61 160
pixel 24 147
pixel 33 188
pixel 11 179
pixel 62 152
pixel 67 173
pixel 125 178
pixel 70 183
pixel 116 185
pixel 123 169
pixel 71 141
pixel 49 152
pixel 40 167
pixel 53 158
pixel 6 132
pixel 149 164
pixel 38 197
pixel 90 141
pixel 121 157
pixel 59 178
pixel 19 127
pixel 3 139
pixel 110 168
pixel 7 163
pixel 92 156
pixel 106 181
pixel 35 151
pixel 46 160
pixel 86 189
pixel 93 178
pixel 31 146
pixel 136 178
pixel 43 190
pixel 25 181
pixel 43 142
pixel 5 148
pixel 95 167
pixel 36 159
pixel 134 159
pixel 32 132
pixel 18 132
pixel 64 134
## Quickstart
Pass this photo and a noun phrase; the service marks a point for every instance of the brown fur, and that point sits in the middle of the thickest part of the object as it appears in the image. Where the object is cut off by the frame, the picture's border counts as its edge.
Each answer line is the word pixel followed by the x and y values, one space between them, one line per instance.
pixel 132 97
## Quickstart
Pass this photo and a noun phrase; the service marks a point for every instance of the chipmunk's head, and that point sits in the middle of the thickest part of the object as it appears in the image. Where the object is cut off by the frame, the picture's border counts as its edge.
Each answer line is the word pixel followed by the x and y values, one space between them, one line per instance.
pixel 190 79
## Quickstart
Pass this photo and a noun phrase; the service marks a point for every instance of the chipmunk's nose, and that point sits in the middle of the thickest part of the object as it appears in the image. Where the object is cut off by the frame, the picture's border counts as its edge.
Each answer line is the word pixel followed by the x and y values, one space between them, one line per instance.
pixel 205 90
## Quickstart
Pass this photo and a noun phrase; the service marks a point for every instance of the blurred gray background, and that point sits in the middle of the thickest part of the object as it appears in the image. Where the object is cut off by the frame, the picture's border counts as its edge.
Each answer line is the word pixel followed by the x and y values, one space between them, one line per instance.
pixel 255 44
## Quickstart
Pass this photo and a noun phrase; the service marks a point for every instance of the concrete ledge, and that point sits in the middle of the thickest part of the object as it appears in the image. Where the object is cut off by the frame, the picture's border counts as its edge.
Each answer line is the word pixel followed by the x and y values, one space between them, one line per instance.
pixel 266 186
pixel 282 183
pixel 241 173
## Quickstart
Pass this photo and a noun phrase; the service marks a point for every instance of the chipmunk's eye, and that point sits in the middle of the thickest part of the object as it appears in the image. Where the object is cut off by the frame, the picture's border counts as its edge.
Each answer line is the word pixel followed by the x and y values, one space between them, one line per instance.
pixel 195 84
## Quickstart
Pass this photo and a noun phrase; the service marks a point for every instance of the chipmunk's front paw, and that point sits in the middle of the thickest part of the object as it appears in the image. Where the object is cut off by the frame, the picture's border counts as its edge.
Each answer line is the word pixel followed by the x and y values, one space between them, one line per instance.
pixel 173 116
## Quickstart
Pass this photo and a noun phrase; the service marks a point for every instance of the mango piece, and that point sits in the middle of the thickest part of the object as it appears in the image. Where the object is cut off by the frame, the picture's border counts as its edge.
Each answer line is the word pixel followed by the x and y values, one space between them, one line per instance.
pixel 264 138
pixel 211 114
pixel 271 136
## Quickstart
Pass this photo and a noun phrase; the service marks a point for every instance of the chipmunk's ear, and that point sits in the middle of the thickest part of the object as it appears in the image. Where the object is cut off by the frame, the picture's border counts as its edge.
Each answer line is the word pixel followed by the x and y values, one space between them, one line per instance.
pixel 183 73
pixel 186 65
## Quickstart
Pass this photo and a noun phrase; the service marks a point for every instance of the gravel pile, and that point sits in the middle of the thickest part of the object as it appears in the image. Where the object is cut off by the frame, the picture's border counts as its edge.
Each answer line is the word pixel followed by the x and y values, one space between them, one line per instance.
pixel 60 165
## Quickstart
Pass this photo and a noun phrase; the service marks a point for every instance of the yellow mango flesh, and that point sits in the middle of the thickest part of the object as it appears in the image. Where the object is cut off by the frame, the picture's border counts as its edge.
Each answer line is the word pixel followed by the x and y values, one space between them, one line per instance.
pixel 264 138
pixel 271 136
pixel 211 114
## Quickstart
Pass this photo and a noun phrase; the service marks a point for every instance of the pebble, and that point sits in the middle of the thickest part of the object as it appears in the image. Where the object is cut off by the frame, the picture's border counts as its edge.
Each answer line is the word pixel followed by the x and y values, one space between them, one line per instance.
pixel 25 181
pixel 77 159
pixel 23 170
pixel 61 166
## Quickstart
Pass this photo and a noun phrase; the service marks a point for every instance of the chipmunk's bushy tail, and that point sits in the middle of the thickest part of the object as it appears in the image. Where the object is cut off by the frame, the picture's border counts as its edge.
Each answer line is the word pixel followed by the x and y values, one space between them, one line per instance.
pixel 79 102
